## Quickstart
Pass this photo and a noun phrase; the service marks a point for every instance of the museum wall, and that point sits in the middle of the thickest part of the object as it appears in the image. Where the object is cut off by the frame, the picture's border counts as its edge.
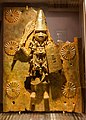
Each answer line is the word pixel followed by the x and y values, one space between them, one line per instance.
pixel 66 24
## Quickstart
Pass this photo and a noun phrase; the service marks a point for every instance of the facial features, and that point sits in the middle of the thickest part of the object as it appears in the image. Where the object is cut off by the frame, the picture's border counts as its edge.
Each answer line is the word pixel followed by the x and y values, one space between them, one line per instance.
pixel 40 36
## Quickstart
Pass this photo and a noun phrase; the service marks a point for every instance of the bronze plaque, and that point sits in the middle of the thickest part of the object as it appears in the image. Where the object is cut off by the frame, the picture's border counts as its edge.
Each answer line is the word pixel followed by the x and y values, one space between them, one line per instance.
pixel 38 75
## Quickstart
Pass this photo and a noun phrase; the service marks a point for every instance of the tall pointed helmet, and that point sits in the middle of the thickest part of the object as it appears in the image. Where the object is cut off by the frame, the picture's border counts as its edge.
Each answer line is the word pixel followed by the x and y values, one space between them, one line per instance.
pixel 40 21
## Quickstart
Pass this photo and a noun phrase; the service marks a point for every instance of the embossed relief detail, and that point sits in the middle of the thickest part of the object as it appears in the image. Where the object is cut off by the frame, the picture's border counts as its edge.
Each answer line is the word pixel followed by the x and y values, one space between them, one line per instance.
pixel 68 51
pixel 69 90
pixel 12 15
pixel 34 61
pixel 11 48
pixel 13 90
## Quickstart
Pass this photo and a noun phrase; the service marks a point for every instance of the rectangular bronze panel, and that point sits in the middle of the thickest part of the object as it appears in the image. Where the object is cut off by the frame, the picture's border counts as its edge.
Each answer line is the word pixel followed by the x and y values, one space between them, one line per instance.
pixel 38 75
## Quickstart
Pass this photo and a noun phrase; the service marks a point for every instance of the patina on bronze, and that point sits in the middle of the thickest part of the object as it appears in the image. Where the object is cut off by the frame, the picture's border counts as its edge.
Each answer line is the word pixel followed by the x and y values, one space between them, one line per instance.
pixel 39 75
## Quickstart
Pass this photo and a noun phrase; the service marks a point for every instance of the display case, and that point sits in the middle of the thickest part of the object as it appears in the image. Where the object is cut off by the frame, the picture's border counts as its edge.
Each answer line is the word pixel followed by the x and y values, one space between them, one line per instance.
pixel 42 48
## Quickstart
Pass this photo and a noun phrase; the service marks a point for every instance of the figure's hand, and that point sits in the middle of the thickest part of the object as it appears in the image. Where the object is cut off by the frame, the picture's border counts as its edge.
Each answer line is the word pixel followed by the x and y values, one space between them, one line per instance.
pixel 26 51
pixel 20 46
